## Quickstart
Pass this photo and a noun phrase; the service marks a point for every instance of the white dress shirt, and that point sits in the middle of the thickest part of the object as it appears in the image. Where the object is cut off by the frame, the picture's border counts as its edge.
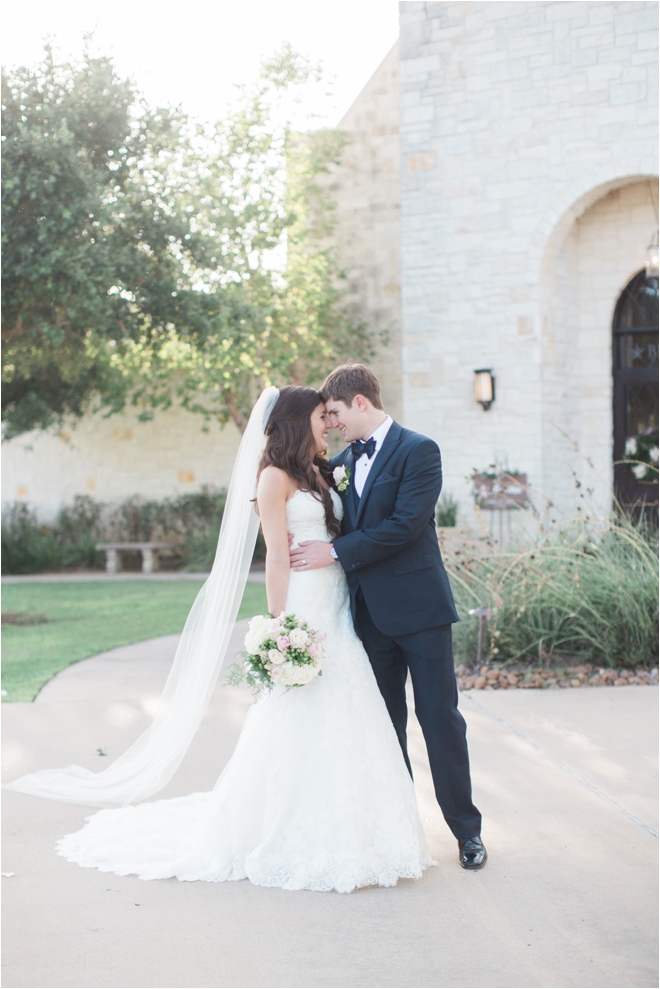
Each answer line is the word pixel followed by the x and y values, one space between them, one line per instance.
pixel 364 464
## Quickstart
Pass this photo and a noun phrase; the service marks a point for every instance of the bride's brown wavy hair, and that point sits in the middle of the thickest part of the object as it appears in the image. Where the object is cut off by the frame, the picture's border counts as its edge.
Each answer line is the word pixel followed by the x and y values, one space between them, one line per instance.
pixel 290 445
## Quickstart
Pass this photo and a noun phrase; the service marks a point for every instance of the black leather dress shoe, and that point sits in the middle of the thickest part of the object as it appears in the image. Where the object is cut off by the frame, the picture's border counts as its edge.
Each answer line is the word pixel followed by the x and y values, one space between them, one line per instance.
pixel 472 853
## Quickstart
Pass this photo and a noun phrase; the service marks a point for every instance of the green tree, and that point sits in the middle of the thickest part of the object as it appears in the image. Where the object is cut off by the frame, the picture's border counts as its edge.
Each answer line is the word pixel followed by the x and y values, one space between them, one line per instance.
pixel 88 228
pixel 139 250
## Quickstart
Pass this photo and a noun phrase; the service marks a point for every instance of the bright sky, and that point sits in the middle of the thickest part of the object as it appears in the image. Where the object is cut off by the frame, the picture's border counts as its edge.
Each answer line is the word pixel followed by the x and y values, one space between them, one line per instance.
pixel 193 52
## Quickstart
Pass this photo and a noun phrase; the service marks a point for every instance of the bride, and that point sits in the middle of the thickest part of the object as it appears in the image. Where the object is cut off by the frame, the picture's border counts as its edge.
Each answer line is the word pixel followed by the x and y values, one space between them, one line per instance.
pixel 317 794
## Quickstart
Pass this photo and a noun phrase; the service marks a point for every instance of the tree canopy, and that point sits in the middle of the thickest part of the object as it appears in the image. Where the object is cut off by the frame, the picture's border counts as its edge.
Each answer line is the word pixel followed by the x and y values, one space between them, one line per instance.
pixel 150 260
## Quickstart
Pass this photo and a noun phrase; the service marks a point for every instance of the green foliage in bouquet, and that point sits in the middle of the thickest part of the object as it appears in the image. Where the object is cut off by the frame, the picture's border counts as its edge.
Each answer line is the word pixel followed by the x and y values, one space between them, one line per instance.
pixel 251 671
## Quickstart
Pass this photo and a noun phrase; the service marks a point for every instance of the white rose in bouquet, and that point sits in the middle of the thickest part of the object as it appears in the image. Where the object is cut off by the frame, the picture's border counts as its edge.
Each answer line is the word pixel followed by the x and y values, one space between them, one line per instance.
pixel 299 638
pixel 252 642
pixel 304 675
pixel 275 657
pixel 259 625
pixel 288 674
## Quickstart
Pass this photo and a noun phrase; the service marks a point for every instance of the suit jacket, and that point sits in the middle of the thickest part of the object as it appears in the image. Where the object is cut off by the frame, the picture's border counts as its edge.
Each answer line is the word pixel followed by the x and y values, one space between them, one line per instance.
pixel 389 546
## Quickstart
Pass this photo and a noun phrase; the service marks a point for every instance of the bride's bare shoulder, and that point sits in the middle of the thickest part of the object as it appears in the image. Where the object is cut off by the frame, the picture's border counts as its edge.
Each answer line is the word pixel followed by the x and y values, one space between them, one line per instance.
pixel 275 483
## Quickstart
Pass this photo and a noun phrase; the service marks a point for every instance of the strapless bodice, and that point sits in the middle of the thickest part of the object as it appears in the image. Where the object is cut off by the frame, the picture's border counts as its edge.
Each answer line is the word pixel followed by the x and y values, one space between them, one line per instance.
pixel 305 516
pixel 320 596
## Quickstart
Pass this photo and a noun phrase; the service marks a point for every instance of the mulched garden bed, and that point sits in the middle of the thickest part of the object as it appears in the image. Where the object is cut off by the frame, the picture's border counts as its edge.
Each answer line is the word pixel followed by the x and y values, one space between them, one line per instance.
pixel 494 677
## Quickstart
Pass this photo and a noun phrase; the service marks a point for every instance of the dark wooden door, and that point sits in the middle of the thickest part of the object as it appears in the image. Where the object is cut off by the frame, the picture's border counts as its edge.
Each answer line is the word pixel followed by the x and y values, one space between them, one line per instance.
pixel 635 370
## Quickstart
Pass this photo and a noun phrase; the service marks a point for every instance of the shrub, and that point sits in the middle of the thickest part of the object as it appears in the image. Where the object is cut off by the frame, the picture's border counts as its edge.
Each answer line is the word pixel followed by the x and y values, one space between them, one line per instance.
pixel 190 522
pixel 200 547
pixel 78 529
pixel 28 547
pixel 587 588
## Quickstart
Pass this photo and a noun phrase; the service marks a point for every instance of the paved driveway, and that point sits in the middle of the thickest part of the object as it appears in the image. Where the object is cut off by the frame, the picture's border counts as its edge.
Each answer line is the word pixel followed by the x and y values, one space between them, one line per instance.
pixel 567 782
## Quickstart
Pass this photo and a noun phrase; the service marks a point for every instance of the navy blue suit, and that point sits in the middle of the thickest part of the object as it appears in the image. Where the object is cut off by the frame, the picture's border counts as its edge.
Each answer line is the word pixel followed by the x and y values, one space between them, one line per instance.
pixel 403 607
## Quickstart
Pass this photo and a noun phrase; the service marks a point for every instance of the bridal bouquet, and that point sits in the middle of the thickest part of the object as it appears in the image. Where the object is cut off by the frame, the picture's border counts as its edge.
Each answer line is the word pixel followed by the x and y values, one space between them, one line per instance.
pixel 279 650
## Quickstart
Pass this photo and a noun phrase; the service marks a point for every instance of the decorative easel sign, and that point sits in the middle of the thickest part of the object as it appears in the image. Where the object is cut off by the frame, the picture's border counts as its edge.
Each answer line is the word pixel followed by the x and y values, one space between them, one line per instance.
pixel 500 491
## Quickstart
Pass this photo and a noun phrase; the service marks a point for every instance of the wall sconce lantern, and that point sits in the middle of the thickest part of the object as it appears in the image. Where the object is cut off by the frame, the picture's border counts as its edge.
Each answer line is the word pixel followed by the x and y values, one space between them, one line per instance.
pixel 484 387
pixel 652 257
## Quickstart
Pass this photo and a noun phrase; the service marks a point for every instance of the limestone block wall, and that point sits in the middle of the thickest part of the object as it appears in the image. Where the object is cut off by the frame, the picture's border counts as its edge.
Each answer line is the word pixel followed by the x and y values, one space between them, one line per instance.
pixel 112 459
pixel 598 258
pixel 366 189
pixel 516 118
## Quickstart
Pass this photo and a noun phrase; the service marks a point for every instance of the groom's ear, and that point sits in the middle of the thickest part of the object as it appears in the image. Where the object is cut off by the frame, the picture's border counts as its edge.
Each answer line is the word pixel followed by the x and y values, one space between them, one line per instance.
pixel 360 403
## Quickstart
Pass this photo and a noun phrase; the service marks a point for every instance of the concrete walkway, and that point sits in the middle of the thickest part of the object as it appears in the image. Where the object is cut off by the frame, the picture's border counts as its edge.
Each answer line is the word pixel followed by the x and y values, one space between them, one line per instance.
pixel 566 780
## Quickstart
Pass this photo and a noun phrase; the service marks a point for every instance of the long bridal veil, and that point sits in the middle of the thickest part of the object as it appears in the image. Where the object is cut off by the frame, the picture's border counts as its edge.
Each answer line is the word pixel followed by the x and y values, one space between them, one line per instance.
pixel 148 765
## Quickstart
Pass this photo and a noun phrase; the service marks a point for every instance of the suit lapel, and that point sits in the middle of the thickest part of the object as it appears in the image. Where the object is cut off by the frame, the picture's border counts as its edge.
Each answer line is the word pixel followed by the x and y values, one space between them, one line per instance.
pixel 390 444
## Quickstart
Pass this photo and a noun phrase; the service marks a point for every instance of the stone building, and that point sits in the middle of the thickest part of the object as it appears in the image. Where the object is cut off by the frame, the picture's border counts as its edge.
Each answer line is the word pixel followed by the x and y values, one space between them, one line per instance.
pixel 525 201
pixel 494 207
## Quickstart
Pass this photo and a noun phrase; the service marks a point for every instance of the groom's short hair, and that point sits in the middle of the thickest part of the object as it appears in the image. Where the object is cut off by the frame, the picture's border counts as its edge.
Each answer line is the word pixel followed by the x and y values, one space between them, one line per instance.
pixel 349 380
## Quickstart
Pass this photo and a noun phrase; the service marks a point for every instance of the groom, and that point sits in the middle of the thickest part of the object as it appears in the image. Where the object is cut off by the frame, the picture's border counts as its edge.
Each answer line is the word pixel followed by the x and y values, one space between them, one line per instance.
pixel 401 600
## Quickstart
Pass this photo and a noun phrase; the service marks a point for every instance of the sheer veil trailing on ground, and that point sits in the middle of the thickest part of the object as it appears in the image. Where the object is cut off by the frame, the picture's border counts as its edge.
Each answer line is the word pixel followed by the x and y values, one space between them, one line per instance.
pixel 148 765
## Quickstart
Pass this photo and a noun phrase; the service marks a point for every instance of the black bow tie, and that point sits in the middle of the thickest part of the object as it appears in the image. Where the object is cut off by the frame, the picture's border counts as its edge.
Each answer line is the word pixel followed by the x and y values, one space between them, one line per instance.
pixel 358 448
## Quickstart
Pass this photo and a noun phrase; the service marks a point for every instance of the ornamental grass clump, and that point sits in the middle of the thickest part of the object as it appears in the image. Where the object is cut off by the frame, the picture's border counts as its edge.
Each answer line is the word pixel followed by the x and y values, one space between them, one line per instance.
pixel 587 588
pixel 446 512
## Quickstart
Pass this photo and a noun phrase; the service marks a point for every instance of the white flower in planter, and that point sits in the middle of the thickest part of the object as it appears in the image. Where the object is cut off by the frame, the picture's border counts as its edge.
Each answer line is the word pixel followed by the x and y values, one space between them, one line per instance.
pixel 630 448
pixel 640 471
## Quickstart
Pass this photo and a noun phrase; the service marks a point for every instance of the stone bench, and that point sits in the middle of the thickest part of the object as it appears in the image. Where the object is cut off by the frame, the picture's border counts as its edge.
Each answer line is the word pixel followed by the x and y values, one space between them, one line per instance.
pixel 149 552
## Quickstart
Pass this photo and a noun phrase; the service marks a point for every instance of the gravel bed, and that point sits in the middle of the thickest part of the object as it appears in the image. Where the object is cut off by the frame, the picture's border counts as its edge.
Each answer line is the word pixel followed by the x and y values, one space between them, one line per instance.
pixel 494 677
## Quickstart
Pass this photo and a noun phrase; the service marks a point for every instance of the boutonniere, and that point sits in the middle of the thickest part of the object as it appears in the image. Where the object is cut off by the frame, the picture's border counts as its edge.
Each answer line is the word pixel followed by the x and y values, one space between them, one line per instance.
pixel 342 477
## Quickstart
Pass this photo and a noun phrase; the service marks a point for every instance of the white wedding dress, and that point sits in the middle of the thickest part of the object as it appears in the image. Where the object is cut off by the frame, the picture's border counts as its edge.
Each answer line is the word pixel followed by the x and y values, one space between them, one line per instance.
pixel 316 795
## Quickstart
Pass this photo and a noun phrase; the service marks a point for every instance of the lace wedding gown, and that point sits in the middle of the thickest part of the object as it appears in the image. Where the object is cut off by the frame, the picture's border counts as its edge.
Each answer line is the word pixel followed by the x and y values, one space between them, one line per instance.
pixel 316 795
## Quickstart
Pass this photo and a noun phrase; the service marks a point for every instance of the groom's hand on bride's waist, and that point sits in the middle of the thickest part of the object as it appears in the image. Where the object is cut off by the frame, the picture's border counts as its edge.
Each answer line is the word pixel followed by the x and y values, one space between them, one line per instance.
pixel 311 555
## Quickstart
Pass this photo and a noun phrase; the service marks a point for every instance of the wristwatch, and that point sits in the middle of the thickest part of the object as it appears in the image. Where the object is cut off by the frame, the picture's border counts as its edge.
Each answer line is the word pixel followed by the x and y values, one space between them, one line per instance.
pixel 333 553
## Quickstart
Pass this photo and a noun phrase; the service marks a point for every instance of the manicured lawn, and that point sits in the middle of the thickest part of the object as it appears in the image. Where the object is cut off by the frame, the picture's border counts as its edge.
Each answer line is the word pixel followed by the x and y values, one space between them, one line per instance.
pixel 85 619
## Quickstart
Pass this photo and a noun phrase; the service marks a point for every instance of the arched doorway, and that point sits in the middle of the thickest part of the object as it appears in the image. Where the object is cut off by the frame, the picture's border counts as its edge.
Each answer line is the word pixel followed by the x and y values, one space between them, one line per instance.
pixel 635 392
